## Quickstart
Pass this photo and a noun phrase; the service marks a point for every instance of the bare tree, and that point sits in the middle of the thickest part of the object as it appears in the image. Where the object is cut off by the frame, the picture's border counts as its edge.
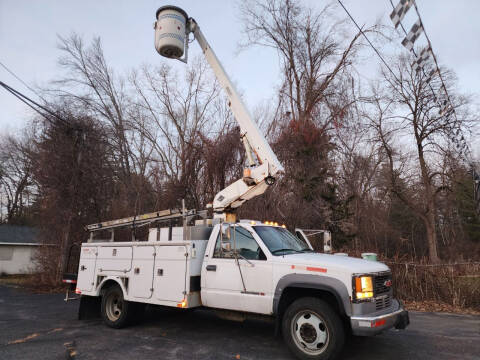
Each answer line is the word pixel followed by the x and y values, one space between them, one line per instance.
pixel 185 116
pixel 315 61
pixel 91 84
pixel 16 174
pixel 313 53
pixel 77 184
pixel 407 117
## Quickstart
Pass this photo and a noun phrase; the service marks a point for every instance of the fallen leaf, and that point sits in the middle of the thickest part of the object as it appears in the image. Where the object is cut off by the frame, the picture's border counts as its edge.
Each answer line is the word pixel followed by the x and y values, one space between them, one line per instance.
pixel 29 337
pixel 55 330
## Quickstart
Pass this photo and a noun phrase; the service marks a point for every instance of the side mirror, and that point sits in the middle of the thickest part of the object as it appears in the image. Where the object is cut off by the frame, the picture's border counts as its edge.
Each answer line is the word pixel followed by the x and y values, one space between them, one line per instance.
pixel 327 242
pixel 226 246
pixel 225 229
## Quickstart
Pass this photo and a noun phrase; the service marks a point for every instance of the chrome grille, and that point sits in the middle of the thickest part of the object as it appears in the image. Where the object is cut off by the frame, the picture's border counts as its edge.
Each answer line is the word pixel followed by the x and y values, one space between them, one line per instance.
pixel 379 283
pixel 382 302
pixel 383 298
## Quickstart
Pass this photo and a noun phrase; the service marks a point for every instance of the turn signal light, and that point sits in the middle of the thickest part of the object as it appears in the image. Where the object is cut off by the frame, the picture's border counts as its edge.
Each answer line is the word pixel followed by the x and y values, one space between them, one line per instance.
pixel 182 304
pixel 364 287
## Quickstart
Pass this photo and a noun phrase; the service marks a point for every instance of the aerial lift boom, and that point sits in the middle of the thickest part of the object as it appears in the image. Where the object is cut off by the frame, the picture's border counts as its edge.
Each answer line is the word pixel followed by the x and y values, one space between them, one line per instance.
pixel 263 165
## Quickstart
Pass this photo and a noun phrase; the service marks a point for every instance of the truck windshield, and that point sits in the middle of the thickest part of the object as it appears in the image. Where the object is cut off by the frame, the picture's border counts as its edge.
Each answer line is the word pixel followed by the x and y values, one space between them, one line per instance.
pixel 280 241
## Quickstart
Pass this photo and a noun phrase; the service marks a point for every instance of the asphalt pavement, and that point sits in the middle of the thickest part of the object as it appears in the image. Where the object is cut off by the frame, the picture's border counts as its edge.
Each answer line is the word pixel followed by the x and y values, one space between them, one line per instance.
pixel 43 326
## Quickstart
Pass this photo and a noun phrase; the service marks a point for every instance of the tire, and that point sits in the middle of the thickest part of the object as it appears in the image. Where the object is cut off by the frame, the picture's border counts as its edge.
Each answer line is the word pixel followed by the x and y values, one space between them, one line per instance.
pixel 312 330
pixel 116 311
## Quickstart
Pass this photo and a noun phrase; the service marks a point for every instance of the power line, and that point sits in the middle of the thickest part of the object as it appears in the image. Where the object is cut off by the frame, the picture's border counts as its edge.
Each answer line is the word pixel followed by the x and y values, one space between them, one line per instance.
pixel 413 50
pixel 371 44
pixel 28 104
pixel 464 148
pixel 433 55
pixel 25 99
pixel 18 78
pixel 436 63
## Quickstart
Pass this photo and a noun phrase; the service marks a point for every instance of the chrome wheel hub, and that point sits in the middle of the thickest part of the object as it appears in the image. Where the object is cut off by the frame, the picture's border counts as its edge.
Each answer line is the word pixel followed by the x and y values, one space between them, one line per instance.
pixel 309 332
pixel 114 307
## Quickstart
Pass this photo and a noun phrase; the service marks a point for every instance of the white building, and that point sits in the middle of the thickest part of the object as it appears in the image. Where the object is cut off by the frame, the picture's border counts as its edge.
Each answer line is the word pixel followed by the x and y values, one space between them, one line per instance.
pixel 17 248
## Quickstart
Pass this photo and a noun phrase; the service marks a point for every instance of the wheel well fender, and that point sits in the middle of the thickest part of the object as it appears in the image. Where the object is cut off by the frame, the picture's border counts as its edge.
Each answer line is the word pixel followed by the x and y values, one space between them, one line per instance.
pixel 292 286
pixel 109 282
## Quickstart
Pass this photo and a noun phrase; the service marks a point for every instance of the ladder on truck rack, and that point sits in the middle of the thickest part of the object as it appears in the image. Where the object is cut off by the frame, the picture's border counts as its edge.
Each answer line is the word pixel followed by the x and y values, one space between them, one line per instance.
pixel 145 219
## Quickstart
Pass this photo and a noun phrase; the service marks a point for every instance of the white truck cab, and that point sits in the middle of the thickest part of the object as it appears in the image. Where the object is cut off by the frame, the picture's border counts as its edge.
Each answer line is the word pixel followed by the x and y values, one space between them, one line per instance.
pixel 249 268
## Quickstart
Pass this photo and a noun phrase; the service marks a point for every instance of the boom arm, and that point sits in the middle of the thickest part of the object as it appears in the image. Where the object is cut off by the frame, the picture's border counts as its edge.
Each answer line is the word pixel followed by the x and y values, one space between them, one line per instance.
pixel 262 171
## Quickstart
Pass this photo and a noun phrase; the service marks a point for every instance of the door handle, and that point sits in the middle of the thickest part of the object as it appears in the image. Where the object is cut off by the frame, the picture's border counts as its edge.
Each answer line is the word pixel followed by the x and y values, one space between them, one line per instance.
pixel 211 267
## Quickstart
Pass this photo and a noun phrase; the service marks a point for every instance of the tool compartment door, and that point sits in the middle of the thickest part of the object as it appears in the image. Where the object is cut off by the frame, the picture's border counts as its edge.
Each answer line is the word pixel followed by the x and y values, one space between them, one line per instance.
pixel 142 271
pixel 114 258
pixel 86 268
pixel 170 273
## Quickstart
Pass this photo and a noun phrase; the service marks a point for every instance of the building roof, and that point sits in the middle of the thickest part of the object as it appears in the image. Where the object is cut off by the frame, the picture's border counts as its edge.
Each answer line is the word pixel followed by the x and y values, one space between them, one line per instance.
pixel 18 235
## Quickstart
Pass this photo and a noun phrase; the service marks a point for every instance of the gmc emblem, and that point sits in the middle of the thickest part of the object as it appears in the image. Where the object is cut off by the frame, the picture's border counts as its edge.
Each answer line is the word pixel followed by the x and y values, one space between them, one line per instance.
pixel 387 283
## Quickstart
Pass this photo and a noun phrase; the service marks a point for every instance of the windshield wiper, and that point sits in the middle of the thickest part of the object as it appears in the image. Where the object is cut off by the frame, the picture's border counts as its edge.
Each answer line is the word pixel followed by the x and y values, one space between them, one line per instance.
pixel 307 250
pixel 283 250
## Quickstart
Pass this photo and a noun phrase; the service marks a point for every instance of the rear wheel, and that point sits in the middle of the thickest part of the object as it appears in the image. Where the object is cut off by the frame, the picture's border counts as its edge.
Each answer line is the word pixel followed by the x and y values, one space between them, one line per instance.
pixel 116 311
pixel 313 330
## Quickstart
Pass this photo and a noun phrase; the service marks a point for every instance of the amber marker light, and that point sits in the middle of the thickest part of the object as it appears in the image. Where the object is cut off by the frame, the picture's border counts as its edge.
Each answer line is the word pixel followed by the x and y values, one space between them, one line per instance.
pixel 182 304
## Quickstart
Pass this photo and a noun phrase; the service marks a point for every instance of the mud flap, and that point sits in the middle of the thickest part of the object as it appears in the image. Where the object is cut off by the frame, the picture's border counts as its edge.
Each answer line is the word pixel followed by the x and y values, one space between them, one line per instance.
pixel 278 326
pixel 89 307
pixel 403 320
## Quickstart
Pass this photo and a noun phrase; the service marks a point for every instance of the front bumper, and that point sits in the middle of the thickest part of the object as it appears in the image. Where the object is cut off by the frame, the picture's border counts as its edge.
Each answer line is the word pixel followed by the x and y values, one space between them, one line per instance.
pixel 367 325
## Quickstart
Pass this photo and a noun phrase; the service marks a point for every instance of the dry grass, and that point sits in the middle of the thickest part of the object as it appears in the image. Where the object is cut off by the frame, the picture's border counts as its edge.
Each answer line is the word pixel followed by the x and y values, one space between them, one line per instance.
pixel 453 286
pixel 31 283
pixel 434 306
pixel 16 280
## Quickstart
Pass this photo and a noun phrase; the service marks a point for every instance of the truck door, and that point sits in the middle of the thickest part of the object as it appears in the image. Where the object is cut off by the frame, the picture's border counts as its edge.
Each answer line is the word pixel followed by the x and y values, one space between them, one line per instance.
pixel 86 268
pixel 142 277
pixel 243 286
pixel 170 273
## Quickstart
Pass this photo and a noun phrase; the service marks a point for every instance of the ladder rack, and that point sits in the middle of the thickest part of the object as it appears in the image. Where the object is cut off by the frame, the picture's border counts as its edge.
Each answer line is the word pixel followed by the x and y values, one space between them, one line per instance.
pixel 133 221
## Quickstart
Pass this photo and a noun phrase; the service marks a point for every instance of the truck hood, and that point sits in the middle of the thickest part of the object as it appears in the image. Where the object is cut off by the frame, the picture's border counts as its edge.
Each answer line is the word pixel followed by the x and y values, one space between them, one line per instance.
pixel 334 262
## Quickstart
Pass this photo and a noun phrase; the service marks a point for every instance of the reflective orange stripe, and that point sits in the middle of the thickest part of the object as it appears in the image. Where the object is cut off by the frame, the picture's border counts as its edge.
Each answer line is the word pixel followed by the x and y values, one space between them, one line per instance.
pixel 322 270
pixel 309 268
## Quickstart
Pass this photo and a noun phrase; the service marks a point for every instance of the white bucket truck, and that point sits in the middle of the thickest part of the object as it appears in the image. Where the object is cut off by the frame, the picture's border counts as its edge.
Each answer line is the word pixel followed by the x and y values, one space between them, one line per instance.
pixel 244 267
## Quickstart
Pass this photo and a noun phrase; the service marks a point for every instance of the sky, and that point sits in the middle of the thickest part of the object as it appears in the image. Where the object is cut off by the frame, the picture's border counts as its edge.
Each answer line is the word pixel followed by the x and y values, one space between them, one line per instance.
pixel 29 33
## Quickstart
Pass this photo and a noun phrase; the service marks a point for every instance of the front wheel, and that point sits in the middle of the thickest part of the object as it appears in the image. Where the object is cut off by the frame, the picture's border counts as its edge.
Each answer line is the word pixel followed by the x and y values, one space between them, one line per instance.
pixel 313 330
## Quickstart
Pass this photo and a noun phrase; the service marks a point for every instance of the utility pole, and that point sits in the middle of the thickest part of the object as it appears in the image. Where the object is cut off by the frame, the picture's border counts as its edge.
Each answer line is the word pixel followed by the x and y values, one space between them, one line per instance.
pixel 79 135
pixel 476 189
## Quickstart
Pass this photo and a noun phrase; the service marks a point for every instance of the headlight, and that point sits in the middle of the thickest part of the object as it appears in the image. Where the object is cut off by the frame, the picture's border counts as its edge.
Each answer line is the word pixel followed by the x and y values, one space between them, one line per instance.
pixel 363 287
